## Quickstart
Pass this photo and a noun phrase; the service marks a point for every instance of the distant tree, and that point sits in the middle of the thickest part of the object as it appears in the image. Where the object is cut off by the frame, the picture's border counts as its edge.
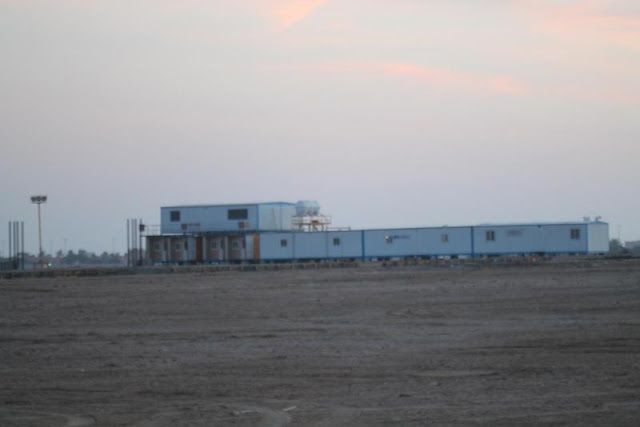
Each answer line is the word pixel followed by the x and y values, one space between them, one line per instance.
pixel 616 248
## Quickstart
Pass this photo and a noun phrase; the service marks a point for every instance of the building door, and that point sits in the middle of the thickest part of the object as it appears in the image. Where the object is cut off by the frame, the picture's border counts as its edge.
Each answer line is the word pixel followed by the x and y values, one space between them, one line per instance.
pixel 199 252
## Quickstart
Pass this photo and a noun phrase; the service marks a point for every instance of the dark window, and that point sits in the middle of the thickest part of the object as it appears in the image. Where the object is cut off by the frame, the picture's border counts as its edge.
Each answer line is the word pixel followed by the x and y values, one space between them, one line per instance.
pixel 175 216
pixel 283 243
pixel 491 236
pixel 444 238
pixel 336 241
pixel 388 239
pixel 238 214
pixel 575 234
pixel 214 245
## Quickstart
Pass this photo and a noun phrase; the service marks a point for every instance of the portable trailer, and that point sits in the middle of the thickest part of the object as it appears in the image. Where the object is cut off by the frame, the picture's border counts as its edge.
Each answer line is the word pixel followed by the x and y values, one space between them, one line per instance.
pixel 265 232
pixel 196 219
pixel 417 242
pixel 552 238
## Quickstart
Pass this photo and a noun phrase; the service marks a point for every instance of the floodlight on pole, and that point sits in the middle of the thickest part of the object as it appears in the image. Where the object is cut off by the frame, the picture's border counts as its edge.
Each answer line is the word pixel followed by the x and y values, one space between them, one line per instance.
pixel 38 200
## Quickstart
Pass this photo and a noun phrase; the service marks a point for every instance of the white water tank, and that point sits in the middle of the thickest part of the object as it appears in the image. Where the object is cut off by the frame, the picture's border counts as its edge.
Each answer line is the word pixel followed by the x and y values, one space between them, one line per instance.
pixel 307 208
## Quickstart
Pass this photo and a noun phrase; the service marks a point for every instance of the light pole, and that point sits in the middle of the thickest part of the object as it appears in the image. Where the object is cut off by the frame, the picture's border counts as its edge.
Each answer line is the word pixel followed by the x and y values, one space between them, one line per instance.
pixel 38 200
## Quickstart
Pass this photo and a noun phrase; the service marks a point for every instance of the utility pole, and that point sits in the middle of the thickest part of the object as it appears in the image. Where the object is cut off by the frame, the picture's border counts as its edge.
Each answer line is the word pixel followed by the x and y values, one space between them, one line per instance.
pixel 38 200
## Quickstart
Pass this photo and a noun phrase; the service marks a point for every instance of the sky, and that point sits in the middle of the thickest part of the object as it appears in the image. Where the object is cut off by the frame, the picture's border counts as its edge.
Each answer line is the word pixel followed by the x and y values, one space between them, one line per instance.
pixel 389 113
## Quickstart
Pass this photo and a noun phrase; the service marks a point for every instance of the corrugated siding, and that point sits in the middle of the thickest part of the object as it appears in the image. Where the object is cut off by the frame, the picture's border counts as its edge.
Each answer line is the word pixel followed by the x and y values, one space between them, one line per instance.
pixel 598 238
pixel 349 244
pixel 391 242
pixel 196 219
pixel 547 238
pixel 312 245
pixel 418 242
pixel 275 217
pixel 271 247
pixel 444 241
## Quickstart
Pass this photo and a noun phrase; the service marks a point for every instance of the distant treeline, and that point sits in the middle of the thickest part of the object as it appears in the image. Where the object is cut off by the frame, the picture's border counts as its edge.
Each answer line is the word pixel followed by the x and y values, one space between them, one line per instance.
pixel 71 258
pixel 83 257
pixel 616 248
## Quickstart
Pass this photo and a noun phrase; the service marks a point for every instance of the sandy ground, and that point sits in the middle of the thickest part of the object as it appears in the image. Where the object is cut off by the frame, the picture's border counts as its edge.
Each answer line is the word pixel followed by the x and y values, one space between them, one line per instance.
pixel 368 346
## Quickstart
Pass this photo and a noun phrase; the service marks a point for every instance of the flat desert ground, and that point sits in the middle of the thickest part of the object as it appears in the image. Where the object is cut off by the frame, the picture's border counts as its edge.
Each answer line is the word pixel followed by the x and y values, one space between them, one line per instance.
pixel 547 344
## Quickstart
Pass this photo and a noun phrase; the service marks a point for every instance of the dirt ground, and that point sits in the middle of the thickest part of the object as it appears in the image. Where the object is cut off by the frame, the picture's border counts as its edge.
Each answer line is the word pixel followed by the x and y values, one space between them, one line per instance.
pixel 555 344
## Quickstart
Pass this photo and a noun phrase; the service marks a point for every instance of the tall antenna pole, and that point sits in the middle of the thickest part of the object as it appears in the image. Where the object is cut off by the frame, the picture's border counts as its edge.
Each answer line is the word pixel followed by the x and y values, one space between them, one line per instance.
pixel 22 250
pixel 38 200
pixel 128 244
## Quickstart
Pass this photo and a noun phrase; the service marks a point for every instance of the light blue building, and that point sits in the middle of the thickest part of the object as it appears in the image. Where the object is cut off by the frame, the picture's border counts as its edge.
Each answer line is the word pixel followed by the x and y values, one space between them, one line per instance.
pixel 554 238
pixel 272 216
pixel 270 232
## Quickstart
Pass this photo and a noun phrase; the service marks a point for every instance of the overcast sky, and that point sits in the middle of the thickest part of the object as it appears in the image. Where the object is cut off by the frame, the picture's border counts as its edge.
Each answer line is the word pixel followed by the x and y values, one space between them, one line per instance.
pixel 388 113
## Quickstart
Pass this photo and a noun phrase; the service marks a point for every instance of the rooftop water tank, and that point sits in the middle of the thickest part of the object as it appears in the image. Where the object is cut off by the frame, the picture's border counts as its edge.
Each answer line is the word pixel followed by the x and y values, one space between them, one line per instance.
pixel 307 208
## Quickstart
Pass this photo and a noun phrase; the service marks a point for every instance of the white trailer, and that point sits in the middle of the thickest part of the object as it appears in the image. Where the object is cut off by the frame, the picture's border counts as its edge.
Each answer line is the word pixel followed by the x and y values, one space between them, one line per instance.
pixel 344 244
pixel 265 232
pixel 276 246
pixel 556 238
pixel 195 219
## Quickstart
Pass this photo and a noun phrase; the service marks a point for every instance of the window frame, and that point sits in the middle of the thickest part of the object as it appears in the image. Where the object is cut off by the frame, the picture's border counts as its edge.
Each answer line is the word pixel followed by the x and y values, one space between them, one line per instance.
pixel 574 234
pixel 238 214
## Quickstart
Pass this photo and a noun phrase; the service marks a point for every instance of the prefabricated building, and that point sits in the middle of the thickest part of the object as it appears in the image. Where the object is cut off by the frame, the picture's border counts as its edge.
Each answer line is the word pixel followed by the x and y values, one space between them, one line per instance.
pixel 283 231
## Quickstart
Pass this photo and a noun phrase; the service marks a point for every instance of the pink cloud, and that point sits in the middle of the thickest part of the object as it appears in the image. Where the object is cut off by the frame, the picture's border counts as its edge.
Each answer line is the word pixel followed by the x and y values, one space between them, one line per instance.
pixel 435 76
pixel 287 13
pixel 589 21
pixel 503 84
pixel 283 13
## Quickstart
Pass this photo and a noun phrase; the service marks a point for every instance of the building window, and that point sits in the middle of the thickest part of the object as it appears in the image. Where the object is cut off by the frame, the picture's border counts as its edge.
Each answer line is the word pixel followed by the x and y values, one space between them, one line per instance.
pixel 157 247
pixel 388 239
pixel 444 238
pixel 283 243
pixel 235 245
pixel 237 214
pixel 575 234
pixel 174 216
pixel 491 236
pixel 213 245
pixel 336 241
pixel 186 245
pixel 177 246
pixel 514 233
